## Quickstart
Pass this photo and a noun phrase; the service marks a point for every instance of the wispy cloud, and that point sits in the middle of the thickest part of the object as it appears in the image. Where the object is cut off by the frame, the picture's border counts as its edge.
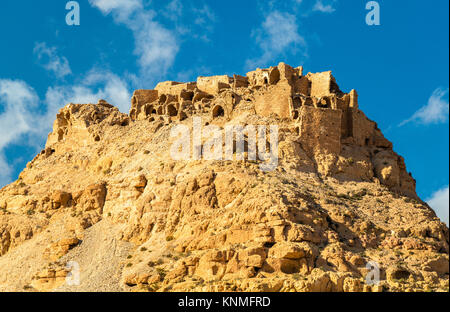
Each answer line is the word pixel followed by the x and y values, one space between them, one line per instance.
pixel 26 119
pixel 204 16
pixel 19 103
pixel 435 112
pixel 173 10
pixel 51 61
pixel 155 45
pixel 278 33
pixel 281 33
pixel 122 9
pixel 5 171
pixel 96 84
pixel 324 6
pixel 439 203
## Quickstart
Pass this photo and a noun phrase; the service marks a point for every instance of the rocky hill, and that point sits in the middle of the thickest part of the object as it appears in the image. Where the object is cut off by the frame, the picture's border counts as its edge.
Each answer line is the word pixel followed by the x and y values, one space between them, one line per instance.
pixel 106 196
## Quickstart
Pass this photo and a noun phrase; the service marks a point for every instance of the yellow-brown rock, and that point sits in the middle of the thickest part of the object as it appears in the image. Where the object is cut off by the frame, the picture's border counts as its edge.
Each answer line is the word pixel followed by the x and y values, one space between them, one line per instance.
pixel 106 196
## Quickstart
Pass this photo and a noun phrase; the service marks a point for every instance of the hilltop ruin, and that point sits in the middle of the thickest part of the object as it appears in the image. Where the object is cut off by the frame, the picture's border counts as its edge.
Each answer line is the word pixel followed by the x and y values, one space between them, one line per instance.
pixel 107 194
pixel 324 117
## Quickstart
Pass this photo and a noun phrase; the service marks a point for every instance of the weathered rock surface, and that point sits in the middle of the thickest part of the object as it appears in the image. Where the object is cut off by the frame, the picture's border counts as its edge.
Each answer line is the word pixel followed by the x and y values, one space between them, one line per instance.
pixel 107 194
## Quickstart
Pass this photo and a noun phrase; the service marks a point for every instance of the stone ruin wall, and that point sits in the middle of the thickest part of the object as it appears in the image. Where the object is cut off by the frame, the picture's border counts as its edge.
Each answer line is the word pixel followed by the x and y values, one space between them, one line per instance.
pixel 282 90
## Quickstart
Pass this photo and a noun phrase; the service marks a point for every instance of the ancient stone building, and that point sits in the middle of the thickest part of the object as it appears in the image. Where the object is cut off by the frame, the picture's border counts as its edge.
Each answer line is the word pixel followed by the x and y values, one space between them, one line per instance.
pixel 324 117
pixel 313 101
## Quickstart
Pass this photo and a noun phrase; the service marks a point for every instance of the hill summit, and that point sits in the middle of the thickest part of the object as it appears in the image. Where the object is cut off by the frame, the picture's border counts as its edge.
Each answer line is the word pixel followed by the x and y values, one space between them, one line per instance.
pixel 273 181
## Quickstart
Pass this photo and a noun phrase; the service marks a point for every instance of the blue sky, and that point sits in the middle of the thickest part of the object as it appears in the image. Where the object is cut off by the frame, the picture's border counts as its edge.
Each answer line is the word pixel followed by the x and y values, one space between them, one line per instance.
pixel 399 68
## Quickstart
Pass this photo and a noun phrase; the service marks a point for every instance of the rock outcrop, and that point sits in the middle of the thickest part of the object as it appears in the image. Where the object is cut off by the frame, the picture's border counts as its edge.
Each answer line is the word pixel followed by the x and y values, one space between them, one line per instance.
pixel 106 193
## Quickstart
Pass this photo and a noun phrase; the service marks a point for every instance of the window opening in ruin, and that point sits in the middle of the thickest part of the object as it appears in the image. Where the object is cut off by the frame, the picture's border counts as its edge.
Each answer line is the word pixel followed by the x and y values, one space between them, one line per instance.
pixel 183 116
pixel 149 110
pixel 172 111
pixel 297 102
pixel 218 111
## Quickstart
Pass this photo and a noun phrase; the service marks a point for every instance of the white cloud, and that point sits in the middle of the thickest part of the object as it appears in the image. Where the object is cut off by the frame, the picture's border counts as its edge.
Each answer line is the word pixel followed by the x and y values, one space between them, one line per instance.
pixel 122 9
pixel 279 32
pixel 97 84
pixel 324 8
pixel 435 112
pixel 204 16
pixel 173 10
pixel 19 102
pixel 155 45
pixel 5 172
pixel 439 203
pixel 26 120
pixel 51 61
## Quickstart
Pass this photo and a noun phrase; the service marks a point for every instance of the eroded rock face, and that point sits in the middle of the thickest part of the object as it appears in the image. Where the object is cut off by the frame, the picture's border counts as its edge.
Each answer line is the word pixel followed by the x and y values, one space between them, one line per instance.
pixel 339 198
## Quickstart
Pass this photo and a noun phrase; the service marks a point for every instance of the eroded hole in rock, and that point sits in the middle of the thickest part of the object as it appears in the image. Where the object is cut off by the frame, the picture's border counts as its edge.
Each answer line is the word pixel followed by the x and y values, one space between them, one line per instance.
pixel 149 110
pixel 60 134
pixel 268 245
pixel 218 111
pixel 183 116
pixel 172 111
pixel 401 274
pixel 162 99
pixel 297 102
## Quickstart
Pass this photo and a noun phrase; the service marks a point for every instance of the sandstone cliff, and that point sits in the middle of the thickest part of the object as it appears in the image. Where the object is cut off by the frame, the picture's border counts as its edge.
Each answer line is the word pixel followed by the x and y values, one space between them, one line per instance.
pixel 106 194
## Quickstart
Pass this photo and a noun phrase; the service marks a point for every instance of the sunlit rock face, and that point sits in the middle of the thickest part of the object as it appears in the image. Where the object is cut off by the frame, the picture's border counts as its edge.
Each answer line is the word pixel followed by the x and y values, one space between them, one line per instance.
pixel 107 197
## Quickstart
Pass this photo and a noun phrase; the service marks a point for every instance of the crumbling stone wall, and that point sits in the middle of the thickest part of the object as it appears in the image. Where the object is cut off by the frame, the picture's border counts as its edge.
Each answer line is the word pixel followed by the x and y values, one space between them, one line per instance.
pixel 320 130
pixel 280 90
pixel 214 84
pixel 324 117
